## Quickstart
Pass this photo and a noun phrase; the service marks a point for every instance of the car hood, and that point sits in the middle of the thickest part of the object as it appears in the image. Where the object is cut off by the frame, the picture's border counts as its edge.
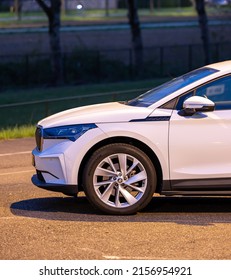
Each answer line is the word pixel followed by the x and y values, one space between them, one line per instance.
pixel 100 113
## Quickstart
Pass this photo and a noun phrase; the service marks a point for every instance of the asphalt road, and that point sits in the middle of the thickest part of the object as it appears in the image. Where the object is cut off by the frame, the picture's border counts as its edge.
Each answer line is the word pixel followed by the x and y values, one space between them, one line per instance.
pixel 37 224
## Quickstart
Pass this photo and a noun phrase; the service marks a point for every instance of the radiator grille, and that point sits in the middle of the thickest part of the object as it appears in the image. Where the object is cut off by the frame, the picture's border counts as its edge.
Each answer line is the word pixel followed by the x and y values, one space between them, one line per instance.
pixel 39 137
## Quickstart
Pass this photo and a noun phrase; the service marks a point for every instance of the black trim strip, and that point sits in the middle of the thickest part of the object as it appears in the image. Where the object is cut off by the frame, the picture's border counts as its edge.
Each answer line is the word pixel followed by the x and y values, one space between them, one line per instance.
pixel 197 186
pixel 47 172
pixel 210 184
pixel 66 189
pixel 197 193
pixel 153 119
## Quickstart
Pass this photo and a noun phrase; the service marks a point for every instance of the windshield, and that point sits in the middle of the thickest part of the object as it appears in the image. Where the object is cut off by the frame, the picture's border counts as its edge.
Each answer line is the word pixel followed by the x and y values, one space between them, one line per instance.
pixel 164 90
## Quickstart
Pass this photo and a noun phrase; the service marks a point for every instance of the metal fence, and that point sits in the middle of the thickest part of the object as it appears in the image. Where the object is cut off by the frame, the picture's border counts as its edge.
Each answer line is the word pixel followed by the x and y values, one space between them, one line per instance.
pixel 94 66
pixel 85 66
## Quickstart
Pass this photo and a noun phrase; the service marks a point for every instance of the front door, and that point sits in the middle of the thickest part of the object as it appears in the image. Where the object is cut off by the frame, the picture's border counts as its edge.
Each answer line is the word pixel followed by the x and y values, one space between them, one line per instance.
pixel 200 145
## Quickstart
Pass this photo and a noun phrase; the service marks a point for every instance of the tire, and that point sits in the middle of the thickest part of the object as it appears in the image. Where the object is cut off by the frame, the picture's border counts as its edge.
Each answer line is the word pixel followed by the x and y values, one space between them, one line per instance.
pixel 119 179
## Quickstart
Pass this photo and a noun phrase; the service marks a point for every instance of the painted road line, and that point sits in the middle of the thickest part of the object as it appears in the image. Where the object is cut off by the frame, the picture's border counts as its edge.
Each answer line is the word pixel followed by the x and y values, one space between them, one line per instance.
pixel 17 172
pixel 17 153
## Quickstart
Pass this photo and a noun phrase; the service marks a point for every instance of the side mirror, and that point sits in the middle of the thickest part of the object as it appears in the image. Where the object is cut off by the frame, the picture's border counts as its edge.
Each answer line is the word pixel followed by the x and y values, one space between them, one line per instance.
pixel 197 104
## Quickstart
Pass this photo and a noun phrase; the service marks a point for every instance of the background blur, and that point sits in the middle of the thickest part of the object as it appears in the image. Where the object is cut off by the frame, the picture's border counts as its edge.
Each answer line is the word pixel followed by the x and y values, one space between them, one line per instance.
pixel 52 49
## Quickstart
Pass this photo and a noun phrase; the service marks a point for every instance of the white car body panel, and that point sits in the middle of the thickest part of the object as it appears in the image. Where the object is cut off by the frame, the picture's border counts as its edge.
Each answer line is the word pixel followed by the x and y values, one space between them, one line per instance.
pixel 154 137
pixel 204 149
pixel 107 112
pixel 68 158
pixel 198 102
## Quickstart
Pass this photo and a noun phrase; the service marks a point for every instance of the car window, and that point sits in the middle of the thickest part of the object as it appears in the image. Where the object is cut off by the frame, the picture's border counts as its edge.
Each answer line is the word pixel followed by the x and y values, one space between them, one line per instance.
pixel 164 90
pixel 182 98
pixel 219 91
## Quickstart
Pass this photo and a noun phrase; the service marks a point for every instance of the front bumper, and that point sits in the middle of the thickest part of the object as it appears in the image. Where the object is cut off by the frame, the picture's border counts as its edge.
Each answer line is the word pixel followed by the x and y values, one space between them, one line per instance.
pixel 66 189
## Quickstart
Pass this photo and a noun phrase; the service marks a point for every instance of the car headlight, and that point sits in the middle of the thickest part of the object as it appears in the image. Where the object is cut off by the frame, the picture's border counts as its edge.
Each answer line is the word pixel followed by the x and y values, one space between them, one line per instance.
pixel 71 132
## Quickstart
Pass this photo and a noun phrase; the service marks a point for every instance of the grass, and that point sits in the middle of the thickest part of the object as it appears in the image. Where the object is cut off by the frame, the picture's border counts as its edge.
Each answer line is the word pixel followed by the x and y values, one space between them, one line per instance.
pixel 121 14
pixel 9 19
pixel 17 132
pixel 40 94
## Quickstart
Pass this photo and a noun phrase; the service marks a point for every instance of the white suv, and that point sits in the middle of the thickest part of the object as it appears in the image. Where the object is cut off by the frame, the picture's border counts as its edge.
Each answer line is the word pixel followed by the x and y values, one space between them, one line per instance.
pixel 173 140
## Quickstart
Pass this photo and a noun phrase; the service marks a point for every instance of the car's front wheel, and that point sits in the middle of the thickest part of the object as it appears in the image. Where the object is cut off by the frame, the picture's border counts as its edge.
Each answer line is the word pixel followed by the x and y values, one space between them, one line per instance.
pixel 119 179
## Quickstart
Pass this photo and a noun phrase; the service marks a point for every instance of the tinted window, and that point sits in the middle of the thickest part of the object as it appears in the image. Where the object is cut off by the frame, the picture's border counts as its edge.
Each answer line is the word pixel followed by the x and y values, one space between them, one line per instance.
pixel 219 92
pixel 181 100
pixel 164 90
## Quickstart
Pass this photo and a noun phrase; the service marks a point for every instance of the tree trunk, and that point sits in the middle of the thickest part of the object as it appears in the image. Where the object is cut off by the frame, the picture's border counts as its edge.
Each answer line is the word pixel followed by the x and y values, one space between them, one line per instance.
pixel 64 8
pixel 203 22
pixel 136 34
pixel 107 8
pixel 151 5
pixel 158 4
pixel 53 13
pixel 54 34
pixel 18 9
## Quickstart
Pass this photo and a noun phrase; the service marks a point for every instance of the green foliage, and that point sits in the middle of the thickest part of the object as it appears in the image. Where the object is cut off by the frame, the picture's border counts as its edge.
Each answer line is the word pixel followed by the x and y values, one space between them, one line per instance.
pixel 17 132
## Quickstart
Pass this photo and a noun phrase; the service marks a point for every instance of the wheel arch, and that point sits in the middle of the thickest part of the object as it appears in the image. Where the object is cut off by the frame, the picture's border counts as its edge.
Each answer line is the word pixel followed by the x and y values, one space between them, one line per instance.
pixel 126 140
